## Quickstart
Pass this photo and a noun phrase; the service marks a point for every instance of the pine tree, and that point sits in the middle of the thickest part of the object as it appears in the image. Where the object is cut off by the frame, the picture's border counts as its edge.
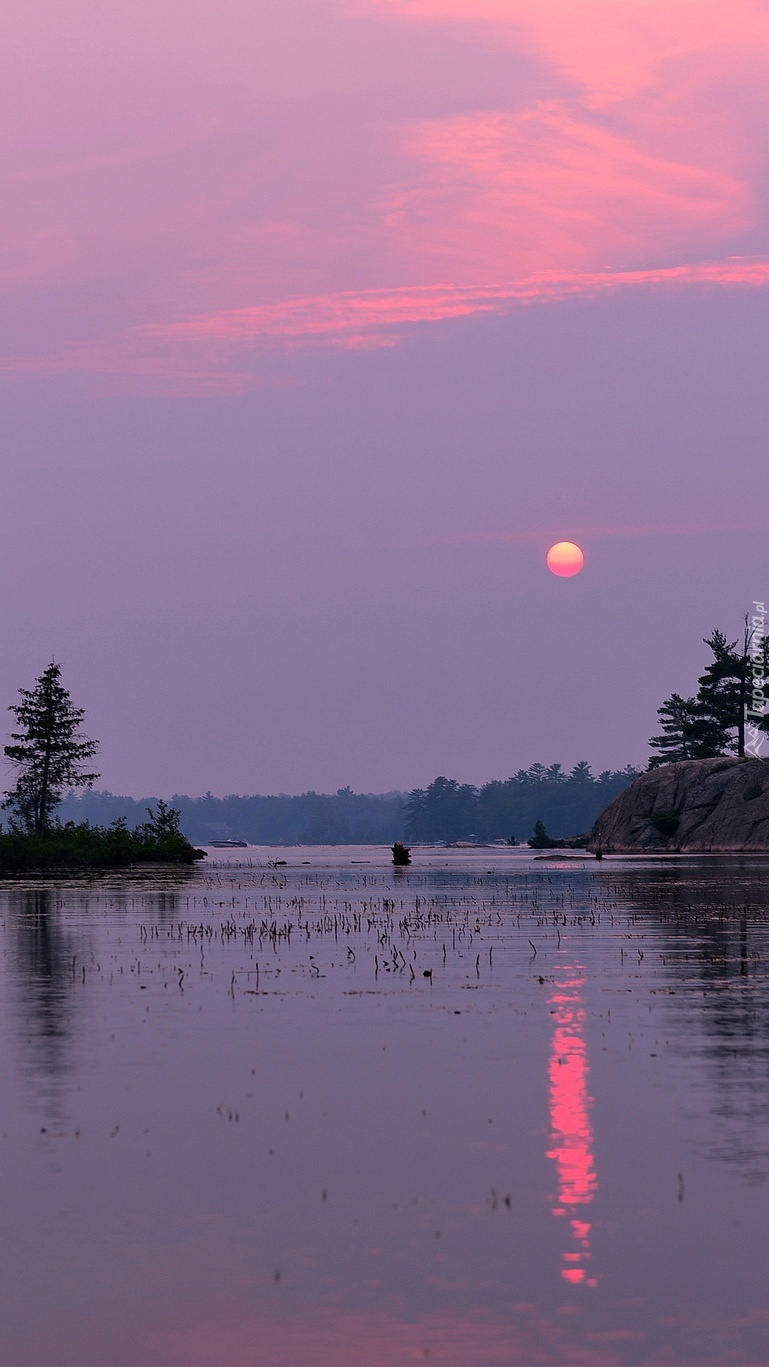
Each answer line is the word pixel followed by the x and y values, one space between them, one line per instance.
pixel 48 752
pixel 688 732
pixel 540 839
pixel 723 687
pixel 676 715
pixel 581 773
pixel 726 687
pixel 537 773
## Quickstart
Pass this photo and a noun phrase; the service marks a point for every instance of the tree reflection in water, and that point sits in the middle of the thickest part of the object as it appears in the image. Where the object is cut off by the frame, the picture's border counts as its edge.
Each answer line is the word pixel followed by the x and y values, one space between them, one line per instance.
pixel 713 920
pixel 53 957
pixel 45 971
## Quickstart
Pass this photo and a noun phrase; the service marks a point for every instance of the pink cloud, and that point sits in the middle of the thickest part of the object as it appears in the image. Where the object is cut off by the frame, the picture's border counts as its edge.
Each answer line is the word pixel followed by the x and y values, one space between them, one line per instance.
pixel 190 231
pixel 614 51
pixel 545 189
pixel 644 157
pixel 210 351
pixel 339 316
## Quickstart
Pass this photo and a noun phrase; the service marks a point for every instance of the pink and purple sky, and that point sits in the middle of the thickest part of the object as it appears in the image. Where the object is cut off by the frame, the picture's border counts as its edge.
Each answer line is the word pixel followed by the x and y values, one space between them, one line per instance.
pixel 322 320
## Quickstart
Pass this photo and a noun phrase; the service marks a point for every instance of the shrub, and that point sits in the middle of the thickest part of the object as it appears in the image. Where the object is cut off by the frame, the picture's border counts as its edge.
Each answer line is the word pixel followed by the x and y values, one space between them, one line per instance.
pixel 667 823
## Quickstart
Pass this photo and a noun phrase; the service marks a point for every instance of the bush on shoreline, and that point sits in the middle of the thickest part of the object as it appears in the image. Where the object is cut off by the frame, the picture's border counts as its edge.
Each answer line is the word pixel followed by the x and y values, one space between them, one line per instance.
pixel 83 846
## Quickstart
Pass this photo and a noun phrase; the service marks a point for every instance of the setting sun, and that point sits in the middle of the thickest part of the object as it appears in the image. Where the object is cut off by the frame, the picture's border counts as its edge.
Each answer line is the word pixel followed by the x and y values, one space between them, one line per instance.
pixel 565 559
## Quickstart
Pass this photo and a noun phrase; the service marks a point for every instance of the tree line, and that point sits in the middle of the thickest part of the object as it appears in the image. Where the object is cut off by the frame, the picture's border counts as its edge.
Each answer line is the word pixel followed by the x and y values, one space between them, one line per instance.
pixel 341 818
pixel 58 816
pixel 568 804
pixel 54 783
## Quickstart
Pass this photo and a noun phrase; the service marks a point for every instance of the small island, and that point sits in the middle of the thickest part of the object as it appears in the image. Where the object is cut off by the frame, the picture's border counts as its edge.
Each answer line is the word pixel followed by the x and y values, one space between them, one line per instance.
pixel 48 753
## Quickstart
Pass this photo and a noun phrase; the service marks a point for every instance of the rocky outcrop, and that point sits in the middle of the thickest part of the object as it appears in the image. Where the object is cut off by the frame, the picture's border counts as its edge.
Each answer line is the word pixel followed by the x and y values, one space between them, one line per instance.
pixel 695 807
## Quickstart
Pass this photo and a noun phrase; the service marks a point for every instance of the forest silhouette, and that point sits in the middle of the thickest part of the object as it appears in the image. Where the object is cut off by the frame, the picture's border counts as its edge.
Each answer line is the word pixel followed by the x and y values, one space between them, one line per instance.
pixel 568 804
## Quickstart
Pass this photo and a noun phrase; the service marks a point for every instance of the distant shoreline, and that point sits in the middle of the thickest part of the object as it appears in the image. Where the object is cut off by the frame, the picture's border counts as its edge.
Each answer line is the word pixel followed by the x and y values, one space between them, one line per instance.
pixel 445 811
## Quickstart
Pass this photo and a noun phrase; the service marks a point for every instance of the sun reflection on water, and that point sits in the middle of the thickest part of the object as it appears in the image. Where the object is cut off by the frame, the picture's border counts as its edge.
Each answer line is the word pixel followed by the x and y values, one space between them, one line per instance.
pixel 571 1133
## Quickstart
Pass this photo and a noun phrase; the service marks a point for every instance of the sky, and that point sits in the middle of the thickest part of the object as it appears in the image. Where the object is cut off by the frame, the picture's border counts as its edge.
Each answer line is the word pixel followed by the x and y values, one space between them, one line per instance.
pixel 321 321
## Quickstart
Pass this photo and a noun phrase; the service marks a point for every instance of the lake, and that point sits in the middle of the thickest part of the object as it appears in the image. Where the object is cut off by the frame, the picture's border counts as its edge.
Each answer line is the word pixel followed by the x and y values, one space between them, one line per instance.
pixel 488 1110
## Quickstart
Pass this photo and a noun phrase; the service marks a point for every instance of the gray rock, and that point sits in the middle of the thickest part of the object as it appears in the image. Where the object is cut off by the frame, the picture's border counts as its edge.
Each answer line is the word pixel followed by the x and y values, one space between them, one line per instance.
pixel 695 807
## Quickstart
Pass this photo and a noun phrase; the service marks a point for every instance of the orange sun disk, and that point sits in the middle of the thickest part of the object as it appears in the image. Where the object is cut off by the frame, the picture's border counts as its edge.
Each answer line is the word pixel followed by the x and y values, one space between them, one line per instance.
pixel 565 559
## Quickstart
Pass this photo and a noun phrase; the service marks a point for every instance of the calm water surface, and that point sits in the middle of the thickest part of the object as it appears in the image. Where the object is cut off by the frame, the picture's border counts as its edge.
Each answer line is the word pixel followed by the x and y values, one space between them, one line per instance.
pixel 488 1110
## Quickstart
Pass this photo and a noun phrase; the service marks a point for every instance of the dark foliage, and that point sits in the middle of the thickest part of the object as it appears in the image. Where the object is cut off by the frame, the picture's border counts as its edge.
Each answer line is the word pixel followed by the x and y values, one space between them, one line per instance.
pixel 667 823
pixel 728 701
pixel 82 846
pixel 540 839
pixel 688 731
pixel 566 803
pixel 342 818
pixel 445 811
pixel 47 752
pixel 726 686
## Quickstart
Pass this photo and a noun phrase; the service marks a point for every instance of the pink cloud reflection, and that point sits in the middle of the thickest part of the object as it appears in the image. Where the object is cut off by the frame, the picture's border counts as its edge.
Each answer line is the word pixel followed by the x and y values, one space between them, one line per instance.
pixel 340 1338
pixel 347 1338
